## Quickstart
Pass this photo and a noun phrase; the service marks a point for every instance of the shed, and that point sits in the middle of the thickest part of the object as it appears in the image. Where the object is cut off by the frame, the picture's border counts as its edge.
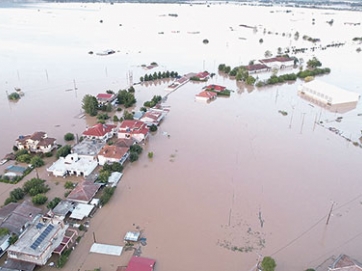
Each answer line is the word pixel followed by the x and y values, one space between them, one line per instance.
pixel 132 236
pixel 81 211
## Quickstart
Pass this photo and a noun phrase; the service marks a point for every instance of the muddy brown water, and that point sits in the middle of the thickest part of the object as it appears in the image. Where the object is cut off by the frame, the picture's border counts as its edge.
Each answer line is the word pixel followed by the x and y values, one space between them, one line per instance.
pixel 235 179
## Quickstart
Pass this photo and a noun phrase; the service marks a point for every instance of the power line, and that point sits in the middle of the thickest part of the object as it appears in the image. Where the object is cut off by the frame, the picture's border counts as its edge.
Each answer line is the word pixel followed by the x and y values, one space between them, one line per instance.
pixel 314 225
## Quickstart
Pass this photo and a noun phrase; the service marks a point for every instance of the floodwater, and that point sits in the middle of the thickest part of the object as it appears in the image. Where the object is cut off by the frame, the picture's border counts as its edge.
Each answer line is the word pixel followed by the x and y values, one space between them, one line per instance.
pixel 235 180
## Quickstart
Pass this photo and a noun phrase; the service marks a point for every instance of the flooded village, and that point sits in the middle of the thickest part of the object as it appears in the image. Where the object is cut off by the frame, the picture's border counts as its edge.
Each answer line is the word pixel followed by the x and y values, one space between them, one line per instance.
pixel 133 145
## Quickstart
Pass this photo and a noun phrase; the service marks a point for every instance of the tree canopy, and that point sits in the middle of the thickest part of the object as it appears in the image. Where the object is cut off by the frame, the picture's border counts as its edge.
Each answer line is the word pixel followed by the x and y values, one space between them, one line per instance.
pixel 268 264
pixel 90 105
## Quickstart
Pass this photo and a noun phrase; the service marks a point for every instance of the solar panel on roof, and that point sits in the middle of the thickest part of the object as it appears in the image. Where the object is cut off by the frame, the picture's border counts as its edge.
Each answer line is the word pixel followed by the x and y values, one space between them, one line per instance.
pixel 39 225
pixel 42 236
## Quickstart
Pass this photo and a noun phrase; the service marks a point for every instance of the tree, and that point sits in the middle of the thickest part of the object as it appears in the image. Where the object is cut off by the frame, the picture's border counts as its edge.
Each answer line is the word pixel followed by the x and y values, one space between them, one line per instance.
pixel 36 161
pixel 69 137
pixel 14 96
pixel 24 158
pixel 39 199
pixel 153 128
pixel 53 203
pixel 13 238
pixel 126 98
pixel 250 80
pixel 267 53
pixel 133 157
pixel 17 194
pixel 115 118
pixel 127 115
pixel 261 41
pixel 268 264
pixel 4 231
pixel 90 105
pixel 35 186
pixel 64 151
pixel 314 63
pixel 136 148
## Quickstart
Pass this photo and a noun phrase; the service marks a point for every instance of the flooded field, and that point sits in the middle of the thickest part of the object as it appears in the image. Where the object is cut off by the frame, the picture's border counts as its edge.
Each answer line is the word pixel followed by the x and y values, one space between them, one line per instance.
pixel 236 180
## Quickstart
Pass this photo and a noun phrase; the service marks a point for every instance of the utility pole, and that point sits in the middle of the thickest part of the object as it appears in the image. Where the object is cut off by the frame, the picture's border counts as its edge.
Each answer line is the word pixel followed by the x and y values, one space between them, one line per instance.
pixel 301 127
pixel 330 213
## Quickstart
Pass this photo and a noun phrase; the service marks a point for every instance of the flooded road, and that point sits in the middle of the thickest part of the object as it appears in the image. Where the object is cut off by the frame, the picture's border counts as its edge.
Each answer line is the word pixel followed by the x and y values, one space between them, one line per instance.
pixel 236 178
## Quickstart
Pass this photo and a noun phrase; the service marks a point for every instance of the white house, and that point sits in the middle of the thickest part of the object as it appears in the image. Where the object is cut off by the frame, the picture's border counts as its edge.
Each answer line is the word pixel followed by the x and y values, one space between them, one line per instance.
pixel 37 244
pixel 206 96
pixel 153 117
pixel 135 129
pixel 37 142
pixel 100 131
pixel 113 153
pixel 72 164
pixel 279 62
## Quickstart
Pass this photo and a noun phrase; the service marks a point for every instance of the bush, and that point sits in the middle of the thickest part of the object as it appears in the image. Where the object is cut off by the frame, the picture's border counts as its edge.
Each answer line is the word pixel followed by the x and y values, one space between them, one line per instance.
pixel 35 186
pixel 150 154
pixel 136 148
pixel 53 203
pixel 64 151
pixel 14 96
pixel 39 199
pixel 4 231
pixel 17 194
pixel 36 161
pixel 63 258
pixel 69 137
pixel 69 185
pixel 133 157
pixel 153 128
pixel 106 195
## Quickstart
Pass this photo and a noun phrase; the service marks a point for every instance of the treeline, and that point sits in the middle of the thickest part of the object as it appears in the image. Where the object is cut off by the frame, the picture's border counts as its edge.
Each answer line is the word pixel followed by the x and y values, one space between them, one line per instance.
pixel 241 74
pixel 158 75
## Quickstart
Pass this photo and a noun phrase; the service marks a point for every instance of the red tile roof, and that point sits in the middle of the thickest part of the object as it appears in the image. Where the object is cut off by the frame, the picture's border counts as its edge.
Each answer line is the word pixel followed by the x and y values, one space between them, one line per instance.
pixel 216 88
pixel 134 127
pixel 112 151
pixel 207 94
pixel 140 264
pixel 202 75
pixel 105 96
pixel 84 191
pixel 99 130
pixel 256 67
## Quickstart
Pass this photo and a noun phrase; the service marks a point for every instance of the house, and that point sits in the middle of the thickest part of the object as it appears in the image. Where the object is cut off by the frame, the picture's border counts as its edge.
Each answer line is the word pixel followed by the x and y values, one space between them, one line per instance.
pixel 88 148
pixel 114 179
pixel 63 208
pixel 134 129
pixel 178 83
pixel 345 263
pixel 105 98
pixel 81 211
pixel 215 88
pixel 326 95
pixel 254 68
pixel 279 62
pixel 124 142
pixel 100 131
pixel 203 76
pixel 206 96
pixel 140 264
pixel 16 217
pixel 83 192
pixel 153 117
pixel 37 244
pixel 72 164
pixel 113 153
pixel 39 142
